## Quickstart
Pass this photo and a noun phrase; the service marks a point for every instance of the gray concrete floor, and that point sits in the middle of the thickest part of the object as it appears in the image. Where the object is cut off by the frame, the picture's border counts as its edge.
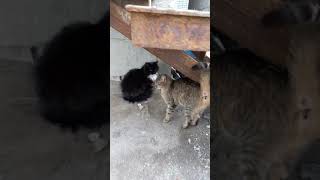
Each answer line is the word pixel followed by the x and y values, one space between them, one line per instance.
pixel 32 149
pixel 145 149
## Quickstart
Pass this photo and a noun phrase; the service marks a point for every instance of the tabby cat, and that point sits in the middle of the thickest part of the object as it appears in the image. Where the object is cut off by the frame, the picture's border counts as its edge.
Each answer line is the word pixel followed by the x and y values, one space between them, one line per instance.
pixel 266 115
pixel 294 12
pixel 204 70
pixel 250 109
pixel 182 92
pixel 303 65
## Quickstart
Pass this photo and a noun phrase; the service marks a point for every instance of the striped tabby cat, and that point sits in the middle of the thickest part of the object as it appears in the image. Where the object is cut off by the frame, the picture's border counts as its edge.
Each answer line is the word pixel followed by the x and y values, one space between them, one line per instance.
pixel 250 107
pixel 267 116
pixel 294 12
pixel 182 92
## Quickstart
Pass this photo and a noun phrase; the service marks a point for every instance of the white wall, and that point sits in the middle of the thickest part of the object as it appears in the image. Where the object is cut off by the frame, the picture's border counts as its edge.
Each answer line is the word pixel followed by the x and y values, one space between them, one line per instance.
pixel 125 56
pixel 27 22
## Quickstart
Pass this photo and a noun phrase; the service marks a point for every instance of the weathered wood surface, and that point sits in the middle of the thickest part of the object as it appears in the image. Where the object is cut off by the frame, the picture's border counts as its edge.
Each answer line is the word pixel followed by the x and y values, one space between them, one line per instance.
pixel 240 20
pixel 120 21
pixel 170 29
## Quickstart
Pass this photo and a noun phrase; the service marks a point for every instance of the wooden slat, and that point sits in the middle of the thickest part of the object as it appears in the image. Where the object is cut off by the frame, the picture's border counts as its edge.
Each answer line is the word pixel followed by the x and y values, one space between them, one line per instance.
pixel 240 20
pixel 120 21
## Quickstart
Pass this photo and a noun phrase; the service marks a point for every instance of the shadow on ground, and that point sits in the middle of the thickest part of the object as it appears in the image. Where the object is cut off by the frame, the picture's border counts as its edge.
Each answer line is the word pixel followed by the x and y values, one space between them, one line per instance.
pixel 32 149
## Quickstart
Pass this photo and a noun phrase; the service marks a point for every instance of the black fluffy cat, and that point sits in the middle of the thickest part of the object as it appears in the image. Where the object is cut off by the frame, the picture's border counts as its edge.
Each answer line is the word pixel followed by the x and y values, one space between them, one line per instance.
pixel 71 76
pixel 137 85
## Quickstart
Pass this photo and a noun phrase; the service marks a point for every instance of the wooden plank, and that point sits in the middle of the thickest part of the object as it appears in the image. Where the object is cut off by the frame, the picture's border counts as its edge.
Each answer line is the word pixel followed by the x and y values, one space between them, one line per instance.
pixel 241 22
pixel 170 29
pixel 120 21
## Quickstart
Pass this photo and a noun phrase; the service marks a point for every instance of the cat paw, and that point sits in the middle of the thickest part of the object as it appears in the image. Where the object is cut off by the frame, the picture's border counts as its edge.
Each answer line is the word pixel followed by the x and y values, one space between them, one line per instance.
pixel 193 123
pixel 99 145
pixel 97 141
pixel 140 106
pixel 94 136
pixel 185 124
pixel 166 120
pixel 195 117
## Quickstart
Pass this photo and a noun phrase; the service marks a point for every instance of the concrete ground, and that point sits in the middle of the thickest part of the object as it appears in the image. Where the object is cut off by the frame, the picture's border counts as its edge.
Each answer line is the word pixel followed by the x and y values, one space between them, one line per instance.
pixel 146 148
pixel 32 149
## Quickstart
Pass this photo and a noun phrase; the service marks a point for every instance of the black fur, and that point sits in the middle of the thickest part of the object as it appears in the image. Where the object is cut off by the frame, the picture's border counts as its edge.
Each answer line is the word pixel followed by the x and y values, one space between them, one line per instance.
pixel 136 86
pixel 71 76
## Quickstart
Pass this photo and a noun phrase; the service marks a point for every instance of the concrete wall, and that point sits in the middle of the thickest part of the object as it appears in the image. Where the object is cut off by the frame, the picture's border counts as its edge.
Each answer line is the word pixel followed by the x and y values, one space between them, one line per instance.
pixel 125 56
pixel 25 22
pixel 203 5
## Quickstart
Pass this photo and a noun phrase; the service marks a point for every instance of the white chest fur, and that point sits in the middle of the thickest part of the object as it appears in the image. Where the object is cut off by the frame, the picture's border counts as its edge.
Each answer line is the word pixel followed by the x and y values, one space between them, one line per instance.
pixel 153 77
